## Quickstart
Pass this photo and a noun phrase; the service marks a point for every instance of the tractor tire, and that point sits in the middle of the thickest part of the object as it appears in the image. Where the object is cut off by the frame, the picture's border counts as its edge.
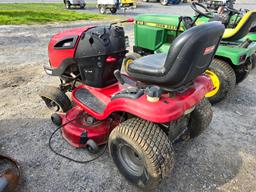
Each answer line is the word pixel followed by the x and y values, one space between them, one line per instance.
pixel 253 60
pixel 102 9
pixel 55 99
pixel 67 4
pixel 129 59
pixel 113 10
pixel 142 152
pixel 164 2
pixel 200 118
pixel 226 80
pixel 242 72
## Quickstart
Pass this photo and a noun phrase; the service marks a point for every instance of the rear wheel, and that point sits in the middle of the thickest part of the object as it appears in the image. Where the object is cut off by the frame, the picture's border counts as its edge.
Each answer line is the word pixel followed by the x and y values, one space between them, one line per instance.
pixel 55 99
pixel 113 10
pixel 67 5
pixel 142 152
pixel 200 118
pixel 129 59
pixel 223 78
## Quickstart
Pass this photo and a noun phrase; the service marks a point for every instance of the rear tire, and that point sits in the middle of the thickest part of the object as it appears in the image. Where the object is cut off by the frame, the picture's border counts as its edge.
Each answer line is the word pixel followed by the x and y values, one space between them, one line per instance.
pixel 113 10
pixel 55 99
pixel 227 80
pixel 67 5
pixel 129 59
pixel 142 152
pixel 200 118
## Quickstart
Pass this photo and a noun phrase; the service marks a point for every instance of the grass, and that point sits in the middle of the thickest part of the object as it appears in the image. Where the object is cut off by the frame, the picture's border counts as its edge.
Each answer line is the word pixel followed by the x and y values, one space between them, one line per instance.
pixel 32 13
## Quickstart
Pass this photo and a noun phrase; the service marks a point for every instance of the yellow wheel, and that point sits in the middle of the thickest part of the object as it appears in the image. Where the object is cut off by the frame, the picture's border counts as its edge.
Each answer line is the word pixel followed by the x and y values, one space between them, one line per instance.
pixel 215 81
pixel 223 79
pixel 129 59
pixel 127 63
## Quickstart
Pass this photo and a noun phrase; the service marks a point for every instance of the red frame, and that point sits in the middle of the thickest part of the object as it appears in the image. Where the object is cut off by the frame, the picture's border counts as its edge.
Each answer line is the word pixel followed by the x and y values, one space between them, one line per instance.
pixel 166 110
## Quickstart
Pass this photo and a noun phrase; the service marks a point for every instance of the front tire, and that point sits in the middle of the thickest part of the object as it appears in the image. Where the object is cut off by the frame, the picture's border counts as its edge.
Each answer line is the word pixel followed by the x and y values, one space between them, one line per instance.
pixel 242 71
pixel 102 9
pixel 164 2
pixel 142 152
pixel 223 78
pixel 129 59
pixel 55 99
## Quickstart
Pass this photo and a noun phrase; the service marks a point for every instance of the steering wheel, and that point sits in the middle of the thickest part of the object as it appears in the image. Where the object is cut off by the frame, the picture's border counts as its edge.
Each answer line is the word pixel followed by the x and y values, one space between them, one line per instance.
pixel 207 13
pixel 235 11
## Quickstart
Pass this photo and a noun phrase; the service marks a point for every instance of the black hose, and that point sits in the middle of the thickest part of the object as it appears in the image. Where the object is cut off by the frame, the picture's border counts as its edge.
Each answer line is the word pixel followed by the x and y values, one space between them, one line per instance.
pixel 69 158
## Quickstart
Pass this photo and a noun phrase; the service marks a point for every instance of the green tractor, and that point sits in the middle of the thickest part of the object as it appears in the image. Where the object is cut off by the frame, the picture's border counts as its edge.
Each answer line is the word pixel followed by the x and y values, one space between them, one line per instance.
pixel 154 33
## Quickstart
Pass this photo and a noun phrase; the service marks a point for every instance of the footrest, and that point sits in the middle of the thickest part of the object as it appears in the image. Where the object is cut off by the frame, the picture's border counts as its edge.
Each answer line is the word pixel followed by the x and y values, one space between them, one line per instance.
pixel 89 100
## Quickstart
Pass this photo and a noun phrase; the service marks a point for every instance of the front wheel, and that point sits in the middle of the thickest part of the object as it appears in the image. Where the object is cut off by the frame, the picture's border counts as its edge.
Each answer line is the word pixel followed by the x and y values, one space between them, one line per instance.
pixel 129 59
pixel 242 71
pixel 102 9
pixel 164 2
pixel 142 152
pixel 223 78
pixel 55 99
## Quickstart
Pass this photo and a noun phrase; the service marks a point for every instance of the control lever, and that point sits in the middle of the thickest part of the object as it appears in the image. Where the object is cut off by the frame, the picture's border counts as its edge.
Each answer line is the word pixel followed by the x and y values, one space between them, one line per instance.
pixel 118 76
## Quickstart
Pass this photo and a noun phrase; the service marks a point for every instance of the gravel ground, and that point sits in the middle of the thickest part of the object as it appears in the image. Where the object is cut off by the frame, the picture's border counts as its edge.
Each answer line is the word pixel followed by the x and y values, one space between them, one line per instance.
pixel 223 158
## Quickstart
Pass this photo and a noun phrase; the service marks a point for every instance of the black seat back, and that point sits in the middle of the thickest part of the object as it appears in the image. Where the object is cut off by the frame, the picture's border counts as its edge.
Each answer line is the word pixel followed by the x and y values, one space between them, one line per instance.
pixel 191 54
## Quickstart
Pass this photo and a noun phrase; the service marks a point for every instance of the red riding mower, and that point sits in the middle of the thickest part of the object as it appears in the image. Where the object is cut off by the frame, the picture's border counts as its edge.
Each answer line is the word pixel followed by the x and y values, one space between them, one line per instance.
pixel 141 114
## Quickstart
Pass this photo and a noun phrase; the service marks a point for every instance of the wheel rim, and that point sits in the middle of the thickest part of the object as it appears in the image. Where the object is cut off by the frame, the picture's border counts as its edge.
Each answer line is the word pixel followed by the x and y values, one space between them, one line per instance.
pixel 130 159
pixel 127 63
pixel 215 81
pixel 102 10
pixel 164 2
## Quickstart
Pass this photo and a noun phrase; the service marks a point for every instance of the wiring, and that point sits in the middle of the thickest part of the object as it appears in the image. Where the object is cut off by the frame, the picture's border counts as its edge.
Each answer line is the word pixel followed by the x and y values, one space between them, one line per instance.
pixel 69 158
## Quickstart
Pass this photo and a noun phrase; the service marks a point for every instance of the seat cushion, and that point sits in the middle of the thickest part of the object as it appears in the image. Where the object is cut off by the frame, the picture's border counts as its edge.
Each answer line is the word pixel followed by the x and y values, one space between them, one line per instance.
pixel 242 28
pixel 149 65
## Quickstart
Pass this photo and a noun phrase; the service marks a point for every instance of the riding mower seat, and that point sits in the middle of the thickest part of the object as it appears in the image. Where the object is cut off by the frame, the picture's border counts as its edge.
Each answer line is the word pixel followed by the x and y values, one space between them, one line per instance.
pixel 242 28
pixel 188 57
